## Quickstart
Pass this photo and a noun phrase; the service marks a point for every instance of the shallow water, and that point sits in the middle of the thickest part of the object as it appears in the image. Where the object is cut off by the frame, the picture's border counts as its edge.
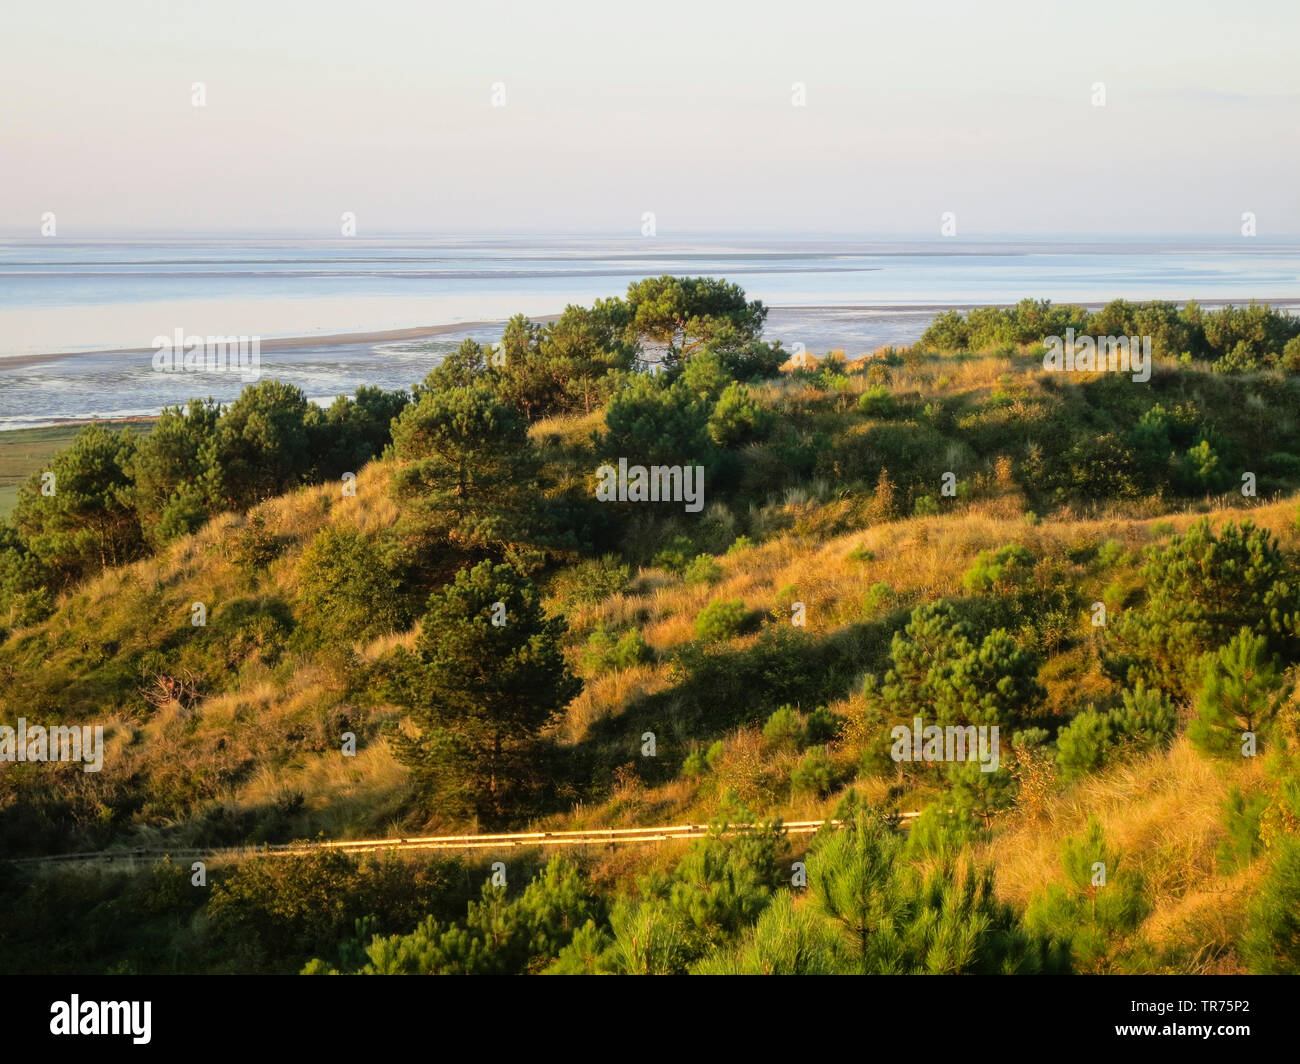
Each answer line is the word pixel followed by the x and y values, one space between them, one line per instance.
pixel 57 295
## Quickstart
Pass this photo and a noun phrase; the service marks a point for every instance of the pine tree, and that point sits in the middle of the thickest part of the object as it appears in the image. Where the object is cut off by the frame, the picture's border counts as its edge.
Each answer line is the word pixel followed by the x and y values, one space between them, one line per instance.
pixel 466 468
pixel 1201 589
pixel 83 519
pixel 1096 906
pixel 1240 694
pixel 479 692
pixel 788 939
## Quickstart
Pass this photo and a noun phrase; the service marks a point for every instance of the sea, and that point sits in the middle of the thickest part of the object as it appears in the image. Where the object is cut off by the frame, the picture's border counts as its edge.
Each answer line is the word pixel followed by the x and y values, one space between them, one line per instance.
pixel 79 318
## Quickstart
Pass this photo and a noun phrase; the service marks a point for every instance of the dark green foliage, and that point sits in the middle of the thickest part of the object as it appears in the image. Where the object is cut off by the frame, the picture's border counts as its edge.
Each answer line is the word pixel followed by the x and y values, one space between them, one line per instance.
pixel 891 920
pixel 784 729
pixel 1081 746
pixel 128 921
pixel 25 583
pixel 1246 337
pixel 756 360
pixel 1096 907
pixel 786 940
pixel 604 653
pixel 822 726
pixel 271 915
pixel 565 366
pixel 720 620
pixel 1242 820
pixel 1271 943
pixel 463 368
pixel 706 376
pixel 651 421
pixel 717 890
pixel 1201 589
pixel 263 443
pixel 479 692
pixel 1000 570
pixel 726 880
pixel 1145 719
pixel 176 472
pixel 737 418
pixel 978 794
pixel 499 936
pixel 466 467
pixel 591 580
pixel 349 589
pixel 684 314
pixel 354 431
pixel 675 557
pixel 1241 693
pixel 942 673
pixel 815 774
pixel 89 522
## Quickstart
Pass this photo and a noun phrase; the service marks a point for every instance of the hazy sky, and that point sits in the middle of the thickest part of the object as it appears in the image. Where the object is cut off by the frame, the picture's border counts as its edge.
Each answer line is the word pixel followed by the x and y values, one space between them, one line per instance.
pixel 680 108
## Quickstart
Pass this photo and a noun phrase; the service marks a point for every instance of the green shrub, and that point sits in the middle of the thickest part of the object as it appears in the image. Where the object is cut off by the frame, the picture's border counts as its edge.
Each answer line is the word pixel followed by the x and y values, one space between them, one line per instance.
pixel 1240 694
pixel 703 570
pixel 941 832
pixel 349 589
pixel 999 570
pixel 737 418
pixel 675 557
pixel 695 764
pixel 1242 821
pixel 605 654
pixel 1081 746
pixel 740 543
pixel 877 402
pixel 591 580
pixel 822 726
pixel 1271 943
pixel 1202 588
pixel 784 728
pixel 1145 719
pixel 1096 908
pixel 269 915
pixel 720 620
pixel 786 940
pixel 814 774
pixel 880 596
pixel 1110 553
pixel 942 672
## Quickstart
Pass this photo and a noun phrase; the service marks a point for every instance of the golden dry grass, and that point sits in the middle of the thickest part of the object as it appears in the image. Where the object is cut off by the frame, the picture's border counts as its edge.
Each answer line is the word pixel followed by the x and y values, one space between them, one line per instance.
pixel 1164 814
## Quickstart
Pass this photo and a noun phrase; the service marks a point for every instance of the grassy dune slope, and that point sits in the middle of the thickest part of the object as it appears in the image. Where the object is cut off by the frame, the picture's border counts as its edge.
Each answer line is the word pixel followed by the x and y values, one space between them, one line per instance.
pixel 229 732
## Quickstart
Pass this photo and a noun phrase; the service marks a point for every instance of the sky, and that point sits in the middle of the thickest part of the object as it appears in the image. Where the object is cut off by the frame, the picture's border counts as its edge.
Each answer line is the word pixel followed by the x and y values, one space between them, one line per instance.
pixel 686 110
